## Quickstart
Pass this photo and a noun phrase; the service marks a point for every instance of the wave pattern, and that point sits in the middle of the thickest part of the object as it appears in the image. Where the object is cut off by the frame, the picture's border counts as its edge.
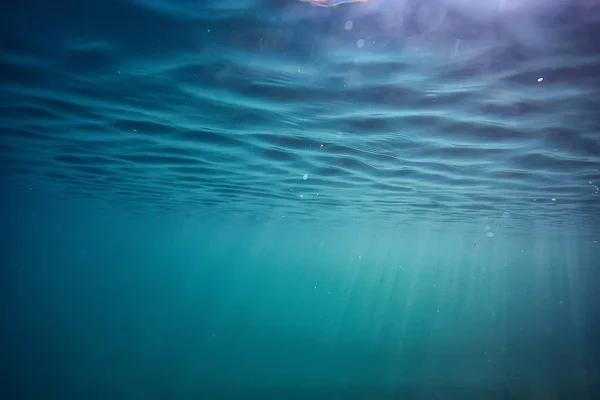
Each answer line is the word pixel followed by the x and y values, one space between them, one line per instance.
pixel 393 109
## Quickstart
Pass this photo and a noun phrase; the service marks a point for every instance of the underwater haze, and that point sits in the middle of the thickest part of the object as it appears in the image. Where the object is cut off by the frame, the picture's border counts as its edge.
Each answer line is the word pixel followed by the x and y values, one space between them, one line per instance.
pixel 283 199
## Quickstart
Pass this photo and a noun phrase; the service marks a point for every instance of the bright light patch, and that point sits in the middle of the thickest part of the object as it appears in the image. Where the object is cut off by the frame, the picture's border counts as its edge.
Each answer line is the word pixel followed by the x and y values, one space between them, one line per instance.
pixel 331 3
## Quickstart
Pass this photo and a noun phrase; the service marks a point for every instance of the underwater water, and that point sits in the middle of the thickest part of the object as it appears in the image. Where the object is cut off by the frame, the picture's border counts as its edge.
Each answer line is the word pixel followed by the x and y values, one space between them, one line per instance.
pixel 261 199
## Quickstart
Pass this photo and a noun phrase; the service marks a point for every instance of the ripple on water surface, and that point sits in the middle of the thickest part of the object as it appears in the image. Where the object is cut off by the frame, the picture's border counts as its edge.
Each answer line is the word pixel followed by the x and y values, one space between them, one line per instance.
pixel 212 107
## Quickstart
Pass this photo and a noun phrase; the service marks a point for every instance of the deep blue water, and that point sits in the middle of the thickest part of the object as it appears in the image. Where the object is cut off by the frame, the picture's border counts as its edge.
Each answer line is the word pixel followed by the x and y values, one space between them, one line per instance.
pixel 268 199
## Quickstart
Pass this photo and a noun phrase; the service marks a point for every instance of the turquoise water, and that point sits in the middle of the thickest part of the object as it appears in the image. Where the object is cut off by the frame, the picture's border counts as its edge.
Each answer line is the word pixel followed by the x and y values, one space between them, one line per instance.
pixel 269 199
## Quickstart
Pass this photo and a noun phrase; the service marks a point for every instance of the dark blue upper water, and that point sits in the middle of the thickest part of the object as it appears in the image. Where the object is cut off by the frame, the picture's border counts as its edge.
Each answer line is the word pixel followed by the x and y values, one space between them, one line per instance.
pixel 278 134
pixel 394 109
